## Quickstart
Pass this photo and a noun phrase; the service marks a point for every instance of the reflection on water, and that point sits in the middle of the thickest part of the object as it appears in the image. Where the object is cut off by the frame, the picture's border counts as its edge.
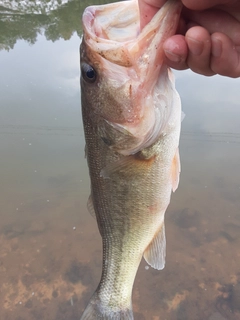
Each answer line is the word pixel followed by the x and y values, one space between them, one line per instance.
pixel 50 253
pixel 27 19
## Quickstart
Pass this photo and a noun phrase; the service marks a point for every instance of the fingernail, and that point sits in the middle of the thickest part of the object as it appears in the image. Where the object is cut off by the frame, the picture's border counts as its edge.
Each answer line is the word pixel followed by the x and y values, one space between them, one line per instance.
pixel 171 56
pixel 216 47
pixel 195 46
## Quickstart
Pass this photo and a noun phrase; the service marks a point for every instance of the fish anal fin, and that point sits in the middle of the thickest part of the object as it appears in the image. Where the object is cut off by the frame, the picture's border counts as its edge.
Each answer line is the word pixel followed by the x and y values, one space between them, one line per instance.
pixel 90 206
pixel 156 251
pixel 175 172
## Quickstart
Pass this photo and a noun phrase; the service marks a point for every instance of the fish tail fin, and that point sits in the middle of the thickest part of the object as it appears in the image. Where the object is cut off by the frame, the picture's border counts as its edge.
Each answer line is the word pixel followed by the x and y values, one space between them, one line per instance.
pixel 98 311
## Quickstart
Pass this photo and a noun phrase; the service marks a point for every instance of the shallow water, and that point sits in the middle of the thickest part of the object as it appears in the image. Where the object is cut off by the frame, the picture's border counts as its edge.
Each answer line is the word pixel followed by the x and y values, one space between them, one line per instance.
pixel 50 252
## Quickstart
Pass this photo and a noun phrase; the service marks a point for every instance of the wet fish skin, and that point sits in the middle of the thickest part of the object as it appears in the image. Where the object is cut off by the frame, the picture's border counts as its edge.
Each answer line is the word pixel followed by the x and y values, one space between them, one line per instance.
pixel 131 114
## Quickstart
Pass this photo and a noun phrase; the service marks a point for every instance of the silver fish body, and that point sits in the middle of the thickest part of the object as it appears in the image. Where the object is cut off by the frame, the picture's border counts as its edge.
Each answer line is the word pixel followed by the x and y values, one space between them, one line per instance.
pixel 132 117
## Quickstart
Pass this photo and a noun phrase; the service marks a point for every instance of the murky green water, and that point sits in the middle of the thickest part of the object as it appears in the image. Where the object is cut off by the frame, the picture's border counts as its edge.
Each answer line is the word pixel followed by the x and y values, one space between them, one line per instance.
pixel 50 249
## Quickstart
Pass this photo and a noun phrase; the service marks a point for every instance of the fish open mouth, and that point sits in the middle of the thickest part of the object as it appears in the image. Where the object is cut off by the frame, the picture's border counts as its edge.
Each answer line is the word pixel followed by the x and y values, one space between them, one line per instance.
pixel 114 31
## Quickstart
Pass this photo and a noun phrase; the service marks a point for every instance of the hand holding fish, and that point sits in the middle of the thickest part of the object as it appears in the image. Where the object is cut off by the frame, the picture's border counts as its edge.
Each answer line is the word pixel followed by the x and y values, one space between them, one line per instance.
pixel 209 36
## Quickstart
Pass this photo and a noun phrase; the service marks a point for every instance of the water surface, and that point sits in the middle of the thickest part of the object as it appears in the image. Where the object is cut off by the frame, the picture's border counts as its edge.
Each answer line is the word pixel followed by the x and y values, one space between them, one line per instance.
pixel 50 253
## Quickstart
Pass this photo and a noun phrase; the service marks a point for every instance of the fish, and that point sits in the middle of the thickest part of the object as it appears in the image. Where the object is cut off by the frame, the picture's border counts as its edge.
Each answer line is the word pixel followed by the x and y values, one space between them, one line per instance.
pixel 131 115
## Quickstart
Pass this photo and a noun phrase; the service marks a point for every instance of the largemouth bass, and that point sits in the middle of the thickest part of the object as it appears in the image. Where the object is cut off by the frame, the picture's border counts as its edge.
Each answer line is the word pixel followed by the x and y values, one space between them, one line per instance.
pixel 132 117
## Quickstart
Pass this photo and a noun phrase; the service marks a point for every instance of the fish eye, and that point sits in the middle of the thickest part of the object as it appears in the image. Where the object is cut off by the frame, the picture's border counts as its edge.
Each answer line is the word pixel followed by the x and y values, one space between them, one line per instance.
pixel 89 74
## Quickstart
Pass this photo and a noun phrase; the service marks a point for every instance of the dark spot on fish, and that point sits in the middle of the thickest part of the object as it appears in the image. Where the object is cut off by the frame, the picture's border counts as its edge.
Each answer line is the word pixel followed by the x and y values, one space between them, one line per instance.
pixel 130 90
pixel 89 74
pixel 107 141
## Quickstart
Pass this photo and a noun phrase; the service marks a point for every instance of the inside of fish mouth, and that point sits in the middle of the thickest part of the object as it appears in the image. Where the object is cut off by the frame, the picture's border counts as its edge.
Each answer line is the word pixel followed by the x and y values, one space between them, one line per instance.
pixel 123 26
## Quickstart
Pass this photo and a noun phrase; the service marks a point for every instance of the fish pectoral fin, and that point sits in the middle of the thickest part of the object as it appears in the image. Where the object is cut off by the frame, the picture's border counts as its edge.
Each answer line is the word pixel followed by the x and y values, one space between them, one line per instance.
pixel 124 164
pixel 176 168
pixel 117 137
pixel 156 251
pixel 90 206
pixel 127 166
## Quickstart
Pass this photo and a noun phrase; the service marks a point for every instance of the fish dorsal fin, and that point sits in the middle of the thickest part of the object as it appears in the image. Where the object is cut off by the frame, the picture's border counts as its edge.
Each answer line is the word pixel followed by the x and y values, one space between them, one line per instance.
pixel 90 206
pixel 156 251
pixel 176 168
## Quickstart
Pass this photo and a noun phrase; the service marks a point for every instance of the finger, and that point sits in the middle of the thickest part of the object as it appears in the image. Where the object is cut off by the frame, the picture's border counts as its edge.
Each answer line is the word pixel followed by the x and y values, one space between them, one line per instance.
pixel 233 10
pixel 225 56
pixel 215 20
pixel 147 9
pixel 176 52
pixel 199 50
pixel 205 4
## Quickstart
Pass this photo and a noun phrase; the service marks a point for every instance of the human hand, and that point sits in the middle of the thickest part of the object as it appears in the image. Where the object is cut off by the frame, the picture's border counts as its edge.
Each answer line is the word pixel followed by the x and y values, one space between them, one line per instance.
pixel 209 36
